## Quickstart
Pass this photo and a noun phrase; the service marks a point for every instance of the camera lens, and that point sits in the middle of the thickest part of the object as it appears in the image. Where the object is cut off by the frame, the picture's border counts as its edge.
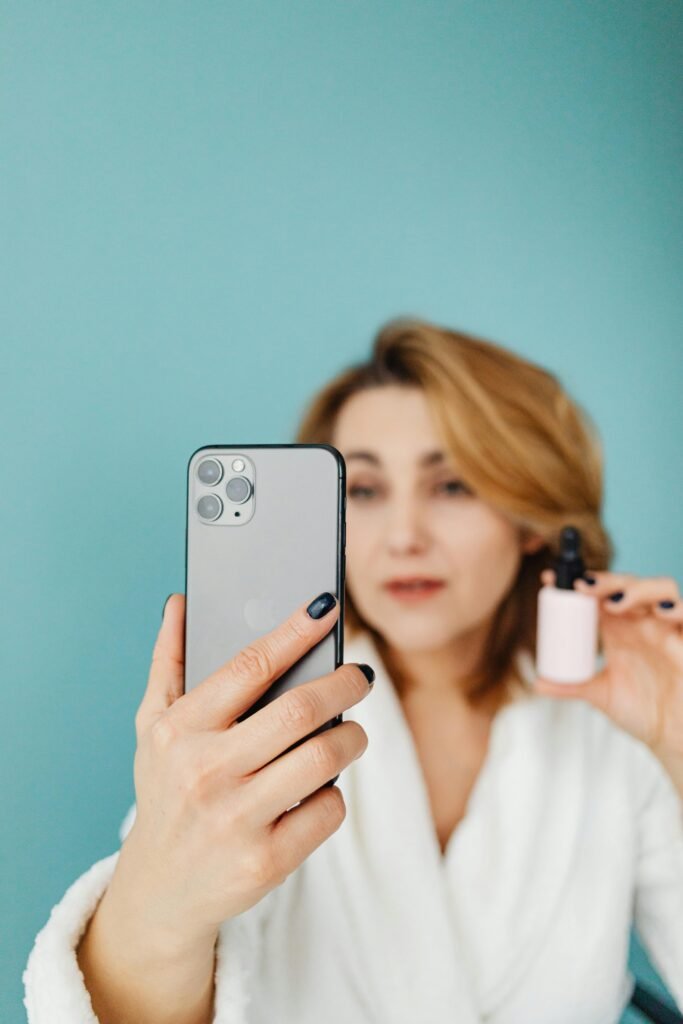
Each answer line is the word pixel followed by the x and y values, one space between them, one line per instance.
pixel 210 507
pixel 238 489
pixel 210 471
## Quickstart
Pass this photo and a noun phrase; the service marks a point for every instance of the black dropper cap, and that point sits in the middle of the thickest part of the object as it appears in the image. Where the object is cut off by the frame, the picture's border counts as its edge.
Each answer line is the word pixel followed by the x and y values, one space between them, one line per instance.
pixel 569 564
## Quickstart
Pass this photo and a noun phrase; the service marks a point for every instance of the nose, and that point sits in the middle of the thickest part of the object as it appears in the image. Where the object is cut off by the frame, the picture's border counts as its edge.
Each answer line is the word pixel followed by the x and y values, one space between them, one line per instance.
pixel 405 528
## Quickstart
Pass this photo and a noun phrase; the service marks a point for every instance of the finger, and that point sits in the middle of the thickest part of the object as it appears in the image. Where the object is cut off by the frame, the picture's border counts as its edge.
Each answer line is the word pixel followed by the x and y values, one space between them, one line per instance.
pixel 601 584
pixel 672 611
pixel 223 696
pixel 628 593
pixel 166 674
pixel 595 690
pixel 548 577
pixel 292 716
pixel 298 773
pixel 303 829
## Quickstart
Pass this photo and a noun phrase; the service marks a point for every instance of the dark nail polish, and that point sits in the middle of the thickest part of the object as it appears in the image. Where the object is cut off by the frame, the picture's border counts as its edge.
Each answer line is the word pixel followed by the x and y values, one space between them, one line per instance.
pixel 368 672
pixel 588 578
pixel 617 595
pixel 163 610
pixel 322 604
pixel 666 604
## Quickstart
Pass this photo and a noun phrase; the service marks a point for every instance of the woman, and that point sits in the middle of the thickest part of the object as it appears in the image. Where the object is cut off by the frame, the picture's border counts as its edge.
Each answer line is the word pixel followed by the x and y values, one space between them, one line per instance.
pixel 492 835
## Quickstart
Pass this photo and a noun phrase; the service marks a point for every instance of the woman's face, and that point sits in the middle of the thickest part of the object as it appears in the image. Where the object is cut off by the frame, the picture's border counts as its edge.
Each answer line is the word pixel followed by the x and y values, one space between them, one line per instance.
pixel 409 514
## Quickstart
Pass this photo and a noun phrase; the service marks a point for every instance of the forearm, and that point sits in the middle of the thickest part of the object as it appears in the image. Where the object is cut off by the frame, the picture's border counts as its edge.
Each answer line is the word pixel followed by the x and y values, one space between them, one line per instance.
pixel 134 978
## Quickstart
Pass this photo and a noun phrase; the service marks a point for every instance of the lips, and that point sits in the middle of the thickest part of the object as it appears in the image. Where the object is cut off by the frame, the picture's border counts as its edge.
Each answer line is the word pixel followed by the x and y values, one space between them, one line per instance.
pixel 413 584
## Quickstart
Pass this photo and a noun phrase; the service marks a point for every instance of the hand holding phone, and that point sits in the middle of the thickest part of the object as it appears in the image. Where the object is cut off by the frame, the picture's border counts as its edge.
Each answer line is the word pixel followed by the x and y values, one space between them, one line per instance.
pixel 216 826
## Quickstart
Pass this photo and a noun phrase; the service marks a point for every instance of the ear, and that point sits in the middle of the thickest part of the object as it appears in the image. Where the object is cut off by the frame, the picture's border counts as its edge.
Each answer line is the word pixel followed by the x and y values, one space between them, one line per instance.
pixel 531 542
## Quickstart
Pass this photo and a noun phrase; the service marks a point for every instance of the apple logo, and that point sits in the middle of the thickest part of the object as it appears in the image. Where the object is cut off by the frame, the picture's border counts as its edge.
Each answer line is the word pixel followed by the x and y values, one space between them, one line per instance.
pixel 260 614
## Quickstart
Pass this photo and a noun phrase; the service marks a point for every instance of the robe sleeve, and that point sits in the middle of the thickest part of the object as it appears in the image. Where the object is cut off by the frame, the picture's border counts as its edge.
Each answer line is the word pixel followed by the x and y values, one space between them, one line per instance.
pixel 54 986
pixel 658 906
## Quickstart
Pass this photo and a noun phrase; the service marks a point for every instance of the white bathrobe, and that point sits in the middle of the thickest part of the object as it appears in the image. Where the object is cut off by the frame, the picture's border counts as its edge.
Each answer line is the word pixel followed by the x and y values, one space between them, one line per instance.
pixel 572 831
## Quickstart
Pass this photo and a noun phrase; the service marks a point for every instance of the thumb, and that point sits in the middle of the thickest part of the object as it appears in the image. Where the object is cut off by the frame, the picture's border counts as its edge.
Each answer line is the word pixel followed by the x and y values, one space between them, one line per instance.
pixel 595 691
pixel 166 681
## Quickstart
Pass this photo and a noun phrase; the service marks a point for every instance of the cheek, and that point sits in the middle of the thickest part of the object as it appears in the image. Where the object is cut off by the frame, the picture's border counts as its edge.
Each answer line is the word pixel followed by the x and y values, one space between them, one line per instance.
pixel 361 544
pixel 482 552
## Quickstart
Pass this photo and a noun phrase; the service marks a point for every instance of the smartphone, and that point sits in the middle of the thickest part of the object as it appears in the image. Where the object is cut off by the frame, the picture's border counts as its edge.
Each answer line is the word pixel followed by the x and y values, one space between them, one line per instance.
pixel 265 532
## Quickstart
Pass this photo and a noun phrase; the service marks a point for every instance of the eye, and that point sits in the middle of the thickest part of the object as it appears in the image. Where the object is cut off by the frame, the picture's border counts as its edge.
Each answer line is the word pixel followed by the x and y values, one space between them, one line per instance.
pixel 454 486
pixel 358 491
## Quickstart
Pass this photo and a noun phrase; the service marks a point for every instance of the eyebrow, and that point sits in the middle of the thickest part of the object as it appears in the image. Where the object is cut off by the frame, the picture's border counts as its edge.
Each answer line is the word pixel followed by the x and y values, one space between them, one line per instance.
pixel 428 459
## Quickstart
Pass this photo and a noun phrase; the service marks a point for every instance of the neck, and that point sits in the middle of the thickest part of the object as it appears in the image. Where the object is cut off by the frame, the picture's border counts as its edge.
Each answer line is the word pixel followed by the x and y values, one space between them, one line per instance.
pixel 443 672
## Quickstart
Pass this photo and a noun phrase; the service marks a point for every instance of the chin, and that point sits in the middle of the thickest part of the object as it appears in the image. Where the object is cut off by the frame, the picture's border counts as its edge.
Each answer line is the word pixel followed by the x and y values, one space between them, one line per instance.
pixel 420 634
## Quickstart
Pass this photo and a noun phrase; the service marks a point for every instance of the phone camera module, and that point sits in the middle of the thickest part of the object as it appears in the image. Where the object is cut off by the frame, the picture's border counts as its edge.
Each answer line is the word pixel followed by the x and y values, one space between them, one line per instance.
pixel 210 472
pixel 209 507
pixel 238 489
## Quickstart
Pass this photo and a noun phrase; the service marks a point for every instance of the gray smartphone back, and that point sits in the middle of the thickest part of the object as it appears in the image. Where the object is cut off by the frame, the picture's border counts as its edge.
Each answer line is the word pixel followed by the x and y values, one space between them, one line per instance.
pixel 277 542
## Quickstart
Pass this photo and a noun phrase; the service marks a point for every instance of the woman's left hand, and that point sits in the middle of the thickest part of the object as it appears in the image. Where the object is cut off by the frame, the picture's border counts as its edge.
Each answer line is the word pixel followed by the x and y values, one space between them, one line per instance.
pixel 640 686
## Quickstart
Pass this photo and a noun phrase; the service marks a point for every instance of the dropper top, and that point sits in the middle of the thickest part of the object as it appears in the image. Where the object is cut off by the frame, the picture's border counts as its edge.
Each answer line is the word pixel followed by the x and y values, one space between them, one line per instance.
pixel 569 564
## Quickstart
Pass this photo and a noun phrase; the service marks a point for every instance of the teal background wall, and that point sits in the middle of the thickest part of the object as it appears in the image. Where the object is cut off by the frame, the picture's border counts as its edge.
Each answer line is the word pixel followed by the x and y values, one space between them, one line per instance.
pixel 207 208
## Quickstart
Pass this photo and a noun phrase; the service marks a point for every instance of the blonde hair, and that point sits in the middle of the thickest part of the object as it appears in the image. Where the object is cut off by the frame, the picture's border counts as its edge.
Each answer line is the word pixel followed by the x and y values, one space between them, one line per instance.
pixel 521 443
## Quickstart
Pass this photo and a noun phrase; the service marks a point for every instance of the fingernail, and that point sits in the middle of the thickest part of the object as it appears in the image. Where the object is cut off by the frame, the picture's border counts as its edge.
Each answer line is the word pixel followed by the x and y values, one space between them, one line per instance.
pixel 368 672
pixel 666 604
pixel 322 604
pixel 616 596
pixel 588 578
pixel 163 610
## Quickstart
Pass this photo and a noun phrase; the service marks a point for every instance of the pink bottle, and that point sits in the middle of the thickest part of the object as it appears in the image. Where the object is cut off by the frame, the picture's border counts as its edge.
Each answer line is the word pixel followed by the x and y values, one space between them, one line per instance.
pixel 567 626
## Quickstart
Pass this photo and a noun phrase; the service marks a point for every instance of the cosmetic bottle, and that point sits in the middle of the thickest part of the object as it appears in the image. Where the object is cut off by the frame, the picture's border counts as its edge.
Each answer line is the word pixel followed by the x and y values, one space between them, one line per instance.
pixel 567 624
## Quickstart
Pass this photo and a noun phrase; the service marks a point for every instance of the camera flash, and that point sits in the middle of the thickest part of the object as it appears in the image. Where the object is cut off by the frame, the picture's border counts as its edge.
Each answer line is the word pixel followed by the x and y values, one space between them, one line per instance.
pixel 238 465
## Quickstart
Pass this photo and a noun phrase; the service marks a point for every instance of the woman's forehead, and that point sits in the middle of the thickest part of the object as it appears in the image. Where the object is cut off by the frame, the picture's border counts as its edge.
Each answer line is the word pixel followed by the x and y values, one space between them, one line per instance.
pixel 378 418
pixel 378 458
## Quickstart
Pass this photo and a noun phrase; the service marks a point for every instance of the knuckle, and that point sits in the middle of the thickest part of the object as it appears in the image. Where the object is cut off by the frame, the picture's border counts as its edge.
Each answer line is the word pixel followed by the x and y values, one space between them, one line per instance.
pixel 190 791
pixel 199 782
pixel 236 820
pixel 299 708
pixel 355 679
pixel 261 868
pixel 322 754
pixel 360 737
pixel 163 732
pixel 296 629
pixel 231 818
pixel 333 806
pixel 252 664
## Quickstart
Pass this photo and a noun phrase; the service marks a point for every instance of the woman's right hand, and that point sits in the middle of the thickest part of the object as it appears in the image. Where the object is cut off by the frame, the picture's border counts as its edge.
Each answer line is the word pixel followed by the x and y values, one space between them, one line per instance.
pixel 213 832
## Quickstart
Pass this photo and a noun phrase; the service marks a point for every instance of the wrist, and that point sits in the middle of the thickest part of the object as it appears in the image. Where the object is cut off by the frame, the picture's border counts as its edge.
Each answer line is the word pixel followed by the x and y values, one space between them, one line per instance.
pixel 133 907
pixel 134 973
